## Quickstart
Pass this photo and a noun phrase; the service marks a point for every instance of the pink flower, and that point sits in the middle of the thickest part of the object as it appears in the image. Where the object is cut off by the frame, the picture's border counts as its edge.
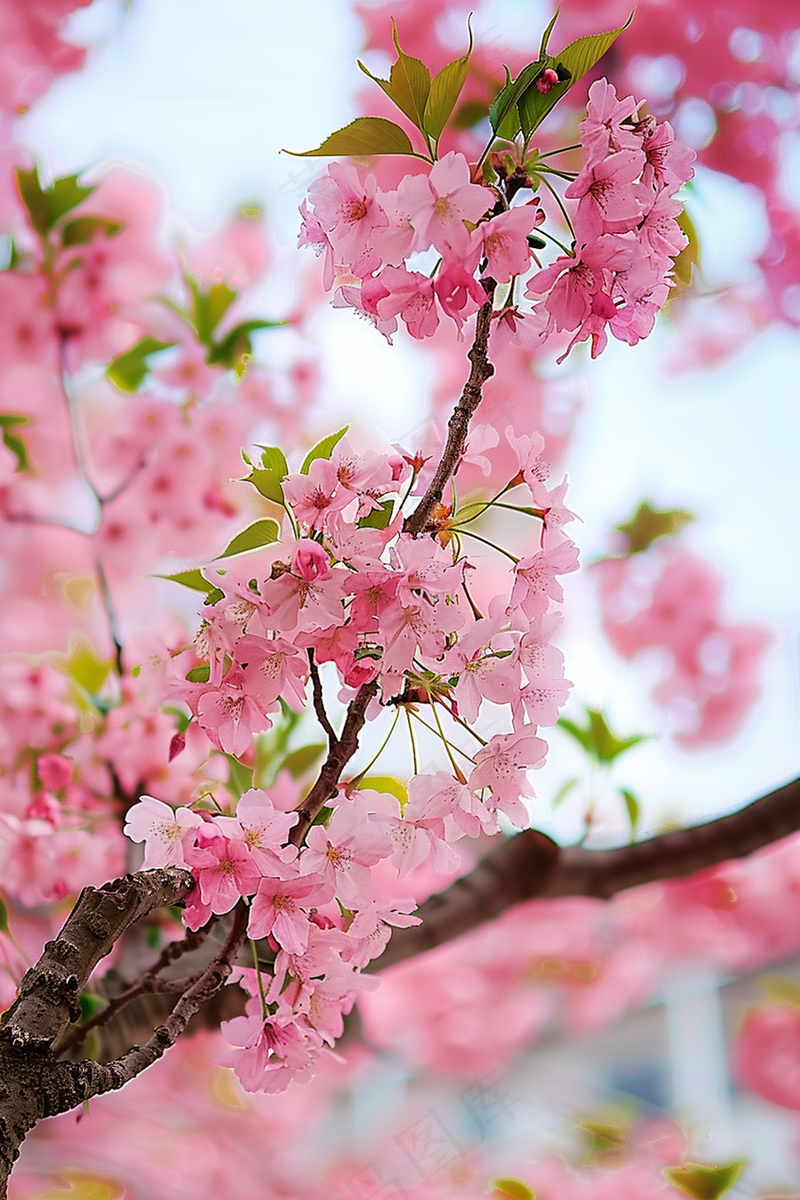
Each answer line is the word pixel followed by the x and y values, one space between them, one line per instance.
pixel 609 201
pixel 504 239
pixel 535 583
pixel 602 130
pixel 346 206
pixel 438 204
pixel 167 833
pixel 411 296
pixel 229 715
pixel 280 908
pixel 310 561
pixel 223 867
pixel 458 291
pixel 767 1055
pixel 271 1051
pixel 502 766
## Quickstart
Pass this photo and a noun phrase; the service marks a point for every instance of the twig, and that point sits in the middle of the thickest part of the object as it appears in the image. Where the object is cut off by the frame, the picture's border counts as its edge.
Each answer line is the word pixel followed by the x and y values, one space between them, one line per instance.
pixel 319 700
pixel 458 425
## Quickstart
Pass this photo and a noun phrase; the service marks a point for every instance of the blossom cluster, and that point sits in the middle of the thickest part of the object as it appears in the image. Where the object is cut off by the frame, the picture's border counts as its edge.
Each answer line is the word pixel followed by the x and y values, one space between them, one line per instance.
pixel 626 232
pixel 389 610
pixel 616 276
pixel 671 599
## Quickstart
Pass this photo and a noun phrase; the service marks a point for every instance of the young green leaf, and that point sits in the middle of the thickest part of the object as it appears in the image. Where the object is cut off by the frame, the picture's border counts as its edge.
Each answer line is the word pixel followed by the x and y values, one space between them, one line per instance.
pixel 4 927
pixel 363 137
pixel 445 89
pixel 379 518
pixel 199 674
pixel 273 459
pixel 128 370
pixel 208 308
pixel 597 739
pixel 633 809
pixel 648 523
pixel 267 483
pixel 240 777
pixel 503 116
pixel 302 760
pixel 689 256
pixel 547 32
pixel 702 1182
pixel 8 422
pixel 259 533
pixel 81 231
pixel 191 579
pixel 236 347
pixel 323 449
pixel 408 84
pixel 570 65
pixel 515 1189
pixel 46 206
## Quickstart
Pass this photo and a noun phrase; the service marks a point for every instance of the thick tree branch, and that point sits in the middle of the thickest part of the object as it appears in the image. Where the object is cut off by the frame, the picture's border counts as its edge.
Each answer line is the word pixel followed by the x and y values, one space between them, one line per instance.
pixel 531 866
pixel 458 425
pixel 31 1079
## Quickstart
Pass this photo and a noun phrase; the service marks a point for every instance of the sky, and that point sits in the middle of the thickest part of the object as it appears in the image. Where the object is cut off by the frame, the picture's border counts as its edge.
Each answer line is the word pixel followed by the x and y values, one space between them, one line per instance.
pixel 204 94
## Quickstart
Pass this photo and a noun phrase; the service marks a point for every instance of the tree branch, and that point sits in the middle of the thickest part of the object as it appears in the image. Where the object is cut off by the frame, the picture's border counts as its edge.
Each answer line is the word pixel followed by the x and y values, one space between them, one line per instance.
pixel 319 699
pixel 530 866
pixel 31 1079
pixel 458 425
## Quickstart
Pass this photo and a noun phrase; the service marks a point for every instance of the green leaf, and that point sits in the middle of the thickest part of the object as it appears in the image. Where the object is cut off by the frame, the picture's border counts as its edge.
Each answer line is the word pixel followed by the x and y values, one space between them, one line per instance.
pixel 128 370
pixel 208 308
pixel 4 926
pixel 236 347
pixel 702 1182
pixel 182 719
pixel 81 231
pixel 633 809
pixel 84 665
pixel 363 137
pixel 90 1005
pixel 469 114
pixel 8 421
pixel 300 761
pixel 46 206
pixel 240 777
pixel 267 478
pixel 388 784
pixel 199 674
pixel 504 104
pixel 379 518
pixel 408 84
pixel 323 449
pixel 597 739
pixel 689 256
pixel 533 105
pixel 648 523
pixel 565 790
pixel 273 459
pixel 570 65
pixel 547 32
pixel 515 1188
pixel 445 89
pixel 259 533
pixel 192 579
pixel 780 989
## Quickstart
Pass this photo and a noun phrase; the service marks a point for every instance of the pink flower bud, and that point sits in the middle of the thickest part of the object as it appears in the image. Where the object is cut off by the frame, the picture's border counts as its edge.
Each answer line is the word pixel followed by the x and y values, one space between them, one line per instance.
pixel 546 80
pixel 177 745
pixel 310 561
pixel 55 771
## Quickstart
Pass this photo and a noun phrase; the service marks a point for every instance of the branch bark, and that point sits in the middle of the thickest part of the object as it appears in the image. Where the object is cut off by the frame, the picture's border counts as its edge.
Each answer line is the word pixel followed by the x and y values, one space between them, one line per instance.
pixel 530 865
pixel 458 425
pixel 33 1083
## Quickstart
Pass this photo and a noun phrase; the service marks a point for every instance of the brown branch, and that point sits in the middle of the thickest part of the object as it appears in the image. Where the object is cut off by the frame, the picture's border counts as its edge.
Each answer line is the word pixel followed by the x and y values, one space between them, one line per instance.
pixel 49 998
pixel 78 1082
pixel 339 756
pixel 319 699
pixel 149 984
pixel 458 425
pixel 530 866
